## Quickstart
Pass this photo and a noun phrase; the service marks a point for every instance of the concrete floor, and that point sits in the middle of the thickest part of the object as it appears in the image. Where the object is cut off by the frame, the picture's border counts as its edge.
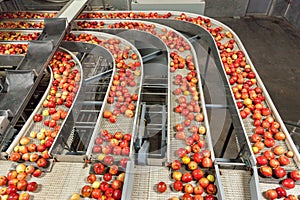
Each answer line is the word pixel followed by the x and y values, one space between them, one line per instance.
pixel 274 48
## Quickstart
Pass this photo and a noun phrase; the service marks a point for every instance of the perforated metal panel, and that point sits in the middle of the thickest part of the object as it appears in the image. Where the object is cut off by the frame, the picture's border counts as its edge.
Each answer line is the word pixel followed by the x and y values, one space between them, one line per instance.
pixel 236 180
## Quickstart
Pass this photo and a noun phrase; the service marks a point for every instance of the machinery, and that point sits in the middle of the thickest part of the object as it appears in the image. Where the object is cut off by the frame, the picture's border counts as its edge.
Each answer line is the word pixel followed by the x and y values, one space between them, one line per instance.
pixel 107 102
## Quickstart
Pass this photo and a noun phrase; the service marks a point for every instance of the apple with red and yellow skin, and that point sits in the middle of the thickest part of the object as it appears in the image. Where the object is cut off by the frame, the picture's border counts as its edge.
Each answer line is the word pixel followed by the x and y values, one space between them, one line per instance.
pixel 279 136
pixel 207 162
pixel 3 180
pixel 26 156
pixel 269 142
pixel 116 184
pixel 177 175
pixel 24 140
pixel 180 135
pixel 15 157
pixel 86 191
pixel 279 172
pixel 290 197
pixel 22 176
pixel 284 160
pixel 41 162
pixel 266 171
pixel 192 165
pixel 271 194
pixel 31 147
pixel 29 169
pixel 12 175
pixel 278 150
pixel 289 154
pixel 37 173
pixel 13 182
pixel 295 175
pixel 22 185
pixel 91 178
pixel 269 154
pixel 176 165
pixel 198 190
pixel 211 189
pixel 203 182
pixel 20 168
pixel 96 193
pixel 188 188
pixel 24 196
pixel 274 163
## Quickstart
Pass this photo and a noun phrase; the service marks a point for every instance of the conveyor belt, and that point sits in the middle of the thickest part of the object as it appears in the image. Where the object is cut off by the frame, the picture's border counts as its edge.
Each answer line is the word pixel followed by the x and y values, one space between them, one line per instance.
pixel 27 15
pixel 123 124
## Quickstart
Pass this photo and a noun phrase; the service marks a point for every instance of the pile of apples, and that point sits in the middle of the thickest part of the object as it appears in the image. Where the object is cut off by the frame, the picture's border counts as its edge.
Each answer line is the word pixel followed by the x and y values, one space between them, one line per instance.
pixel 18 181
pixel 104 183
pixel 123 15
pixel 12 35
pixel 192 181
pixel 170 38
pixel 116 143
pixel 23 25
pixel 26 15
pixel 11 49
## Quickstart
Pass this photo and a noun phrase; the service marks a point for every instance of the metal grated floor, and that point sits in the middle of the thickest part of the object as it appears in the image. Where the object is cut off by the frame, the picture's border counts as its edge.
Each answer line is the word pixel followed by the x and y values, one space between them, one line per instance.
pixel 236 180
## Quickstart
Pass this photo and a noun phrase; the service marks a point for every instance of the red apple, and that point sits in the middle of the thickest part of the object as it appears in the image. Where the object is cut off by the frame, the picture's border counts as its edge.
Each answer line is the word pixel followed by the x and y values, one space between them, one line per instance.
pixel 177 186
pixel 261 160
pixel 37 173
pixel 281 192
pixel 279 172
pixel 86 191
pixel 32 186
pixel 295 175
pixel 283 160
pixel 288 183
pixel 161 187
pixel 197 174
pixel 41 162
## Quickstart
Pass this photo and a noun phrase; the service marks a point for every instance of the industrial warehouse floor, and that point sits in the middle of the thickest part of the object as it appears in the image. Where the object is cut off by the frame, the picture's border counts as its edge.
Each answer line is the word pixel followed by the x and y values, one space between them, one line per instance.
pixel 274 48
